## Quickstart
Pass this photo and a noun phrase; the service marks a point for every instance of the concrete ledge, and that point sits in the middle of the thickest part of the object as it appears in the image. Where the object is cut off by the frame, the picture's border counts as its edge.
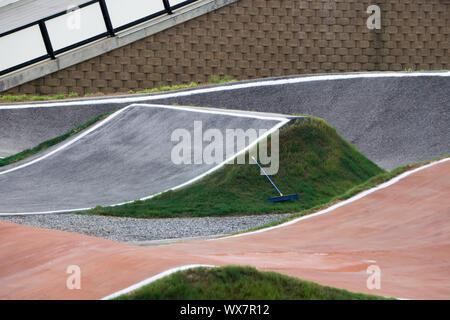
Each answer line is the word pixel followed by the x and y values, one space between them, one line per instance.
pixel 102 46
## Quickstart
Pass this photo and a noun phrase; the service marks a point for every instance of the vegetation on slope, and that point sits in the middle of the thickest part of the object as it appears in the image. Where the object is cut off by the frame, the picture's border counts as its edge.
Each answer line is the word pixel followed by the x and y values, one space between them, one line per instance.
pixel 238 283
pixel 315 162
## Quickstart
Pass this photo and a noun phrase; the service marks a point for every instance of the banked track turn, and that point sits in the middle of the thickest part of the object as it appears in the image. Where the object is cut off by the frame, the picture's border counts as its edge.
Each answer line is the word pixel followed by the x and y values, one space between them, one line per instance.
pixel 394 118
pixel 125 157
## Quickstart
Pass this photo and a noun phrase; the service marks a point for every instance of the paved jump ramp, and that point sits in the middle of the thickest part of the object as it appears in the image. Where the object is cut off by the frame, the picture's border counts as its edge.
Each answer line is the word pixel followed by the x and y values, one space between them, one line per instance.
pixel 125 157
pixel 394 118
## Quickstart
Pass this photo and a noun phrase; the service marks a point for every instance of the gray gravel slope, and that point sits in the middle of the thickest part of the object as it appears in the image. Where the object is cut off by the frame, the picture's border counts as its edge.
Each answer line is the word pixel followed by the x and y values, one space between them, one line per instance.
pixel 143 230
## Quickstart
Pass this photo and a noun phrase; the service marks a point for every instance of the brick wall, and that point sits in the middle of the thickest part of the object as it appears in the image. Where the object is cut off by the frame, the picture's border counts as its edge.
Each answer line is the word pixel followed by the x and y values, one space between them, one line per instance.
pixel 262 38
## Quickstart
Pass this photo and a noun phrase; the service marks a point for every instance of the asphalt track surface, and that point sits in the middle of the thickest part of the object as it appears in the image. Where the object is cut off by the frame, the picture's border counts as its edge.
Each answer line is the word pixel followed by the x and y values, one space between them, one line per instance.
pixel 125 157
pixel 402 227
pixel 393 118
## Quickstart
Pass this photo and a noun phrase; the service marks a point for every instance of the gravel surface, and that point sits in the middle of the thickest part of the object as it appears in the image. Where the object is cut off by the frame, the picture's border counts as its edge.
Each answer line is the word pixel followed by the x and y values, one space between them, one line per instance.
pixel 140 230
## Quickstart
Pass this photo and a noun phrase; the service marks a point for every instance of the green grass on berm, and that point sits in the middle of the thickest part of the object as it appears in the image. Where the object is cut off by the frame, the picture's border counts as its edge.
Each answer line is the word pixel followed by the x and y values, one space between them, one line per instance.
pixel 315 162
pixel 238 283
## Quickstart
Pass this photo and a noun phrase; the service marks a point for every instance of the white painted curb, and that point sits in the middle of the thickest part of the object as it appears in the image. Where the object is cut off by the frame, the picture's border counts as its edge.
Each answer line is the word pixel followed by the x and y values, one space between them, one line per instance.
pixel 262 83
pixel 154 278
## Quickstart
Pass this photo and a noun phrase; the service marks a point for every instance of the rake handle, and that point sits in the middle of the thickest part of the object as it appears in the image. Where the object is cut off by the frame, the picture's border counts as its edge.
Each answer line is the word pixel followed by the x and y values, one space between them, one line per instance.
pixel 267 176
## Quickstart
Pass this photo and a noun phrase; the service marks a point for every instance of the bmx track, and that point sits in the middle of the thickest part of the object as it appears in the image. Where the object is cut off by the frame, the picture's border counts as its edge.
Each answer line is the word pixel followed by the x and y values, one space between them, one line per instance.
pixel 393 118
pixel 403 227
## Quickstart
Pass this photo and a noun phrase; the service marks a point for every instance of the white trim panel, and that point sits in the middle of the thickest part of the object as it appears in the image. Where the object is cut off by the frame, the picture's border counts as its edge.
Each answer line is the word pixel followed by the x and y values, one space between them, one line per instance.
pixel 123 12
pixel 21 46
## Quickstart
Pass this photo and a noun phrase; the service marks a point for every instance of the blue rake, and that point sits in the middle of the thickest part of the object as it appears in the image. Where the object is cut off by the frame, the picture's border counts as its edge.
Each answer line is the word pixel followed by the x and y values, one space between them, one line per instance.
pixel 281 197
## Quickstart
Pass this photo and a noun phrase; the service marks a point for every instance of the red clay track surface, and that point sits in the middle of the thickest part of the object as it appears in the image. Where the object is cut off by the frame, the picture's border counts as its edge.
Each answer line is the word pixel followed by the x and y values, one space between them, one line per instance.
pixel 404 229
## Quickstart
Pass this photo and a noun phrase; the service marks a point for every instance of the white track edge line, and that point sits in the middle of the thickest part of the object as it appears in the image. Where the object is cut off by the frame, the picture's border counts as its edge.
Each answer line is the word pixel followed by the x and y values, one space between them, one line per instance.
pixel 228 112
pixel 339 204
pixel 154 278
pixel 228 87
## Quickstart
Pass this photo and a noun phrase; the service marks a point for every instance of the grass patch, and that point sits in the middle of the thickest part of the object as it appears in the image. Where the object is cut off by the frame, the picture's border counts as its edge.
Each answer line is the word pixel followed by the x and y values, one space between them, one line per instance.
pixel 315 162
pixel 214 79
pixel 238 283
pixel 8 98
pixel 49 143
